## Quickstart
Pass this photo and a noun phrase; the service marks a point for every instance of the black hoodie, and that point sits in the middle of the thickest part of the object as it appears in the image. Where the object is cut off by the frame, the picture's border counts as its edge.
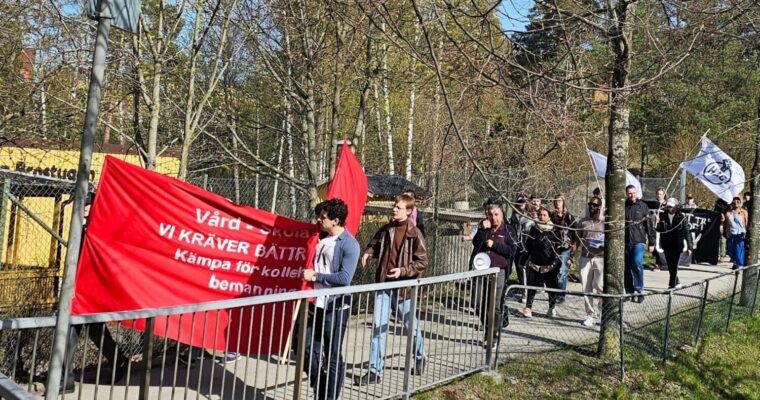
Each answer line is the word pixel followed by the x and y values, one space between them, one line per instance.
pixel 638 224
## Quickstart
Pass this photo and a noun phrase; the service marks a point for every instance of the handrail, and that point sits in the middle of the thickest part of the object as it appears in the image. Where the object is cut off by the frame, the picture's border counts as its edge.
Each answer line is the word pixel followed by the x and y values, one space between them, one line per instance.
pixel 46 322
pixel 10 390
pixel 626 295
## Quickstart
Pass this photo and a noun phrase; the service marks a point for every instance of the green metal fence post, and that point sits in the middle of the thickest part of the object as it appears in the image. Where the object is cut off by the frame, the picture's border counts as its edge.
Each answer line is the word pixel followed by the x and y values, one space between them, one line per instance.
pixel 733 297
pixel 667 328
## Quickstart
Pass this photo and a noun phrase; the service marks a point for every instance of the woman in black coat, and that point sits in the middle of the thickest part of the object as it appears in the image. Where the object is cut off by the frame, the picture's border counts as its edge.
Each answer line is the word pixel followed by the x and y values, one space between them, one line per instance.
pixel 674 232
pixel 543 267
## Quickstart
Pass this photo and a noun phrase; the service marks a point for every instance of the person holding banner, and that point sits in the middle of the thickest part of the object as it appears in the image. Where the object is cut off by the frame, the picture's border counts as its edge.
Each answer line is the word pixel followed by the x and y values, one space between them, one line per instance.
pixel 639 233
pixel 674 231
pixel 661 198
pixel 735 229
pixel 335 261
pixel 98 333
pixel 399 248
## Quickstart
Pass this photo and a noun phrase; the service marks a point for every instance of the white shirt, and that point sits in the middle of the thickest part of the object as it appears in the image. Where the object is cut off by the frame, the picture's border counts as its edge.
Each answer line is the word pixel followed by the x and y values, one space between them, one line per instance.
pixel 323 262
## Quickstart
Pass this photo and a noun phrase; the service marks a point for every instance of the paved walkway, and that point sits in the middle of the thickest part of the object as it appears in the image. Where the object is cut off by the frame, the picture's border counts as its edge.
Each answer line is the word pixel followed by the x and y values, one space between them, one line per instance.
pixel 453 345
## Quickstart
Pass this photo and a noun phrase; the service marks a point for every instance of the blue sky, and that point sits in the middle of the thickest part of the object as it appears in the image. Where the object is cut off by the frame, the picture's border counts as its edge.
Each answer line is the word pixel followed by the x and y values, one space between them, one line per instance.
pixel 513 14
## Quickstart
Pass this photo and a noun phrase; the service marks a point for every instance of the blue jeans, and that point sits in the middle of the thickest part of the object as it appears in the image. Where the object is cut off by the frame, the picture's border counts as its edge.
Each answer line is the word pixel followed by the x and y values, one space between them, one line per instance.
pixel 634 268
pixel 383 301
pixel 736 247
pixel 324 362
pixel 564 269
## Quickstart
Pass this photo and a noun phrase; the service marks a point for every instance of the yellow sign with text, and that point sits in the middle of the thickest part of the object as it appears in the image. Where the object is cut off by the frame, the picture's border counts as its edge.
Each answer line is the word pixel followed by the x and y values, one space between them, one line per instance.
pixel 41 179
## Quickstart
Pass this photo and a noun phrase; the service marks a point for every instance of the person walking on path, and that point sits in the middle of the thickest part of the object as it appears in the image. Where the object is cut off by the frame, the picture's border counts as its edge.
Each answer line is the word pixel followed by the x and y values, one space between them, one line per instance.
pixel 590 239
pixel 674 231
pixel 497 240
pixel 566 222
pixel 399 248
pixel 735 229
pixel 335 261
pixel 522 220
pixel 639 234
pixel 660 197
pixel 543 266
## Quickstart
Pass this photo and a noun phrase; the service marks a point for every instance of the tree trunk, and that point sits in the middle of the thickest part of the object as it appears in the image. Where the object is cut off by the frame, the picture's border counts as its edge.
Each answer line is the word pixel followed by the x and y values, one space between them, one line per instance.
pixel 236 166
pixel 334 123
pixel 43 109
pixel 749 280
pixel 614 256
pixel 387 104
pixel 410 111
pixel 155 98
pixel 187 133
pixel 291 164
pixel 273 206
pixel 378 116
pixel 257 137
pixel 410 132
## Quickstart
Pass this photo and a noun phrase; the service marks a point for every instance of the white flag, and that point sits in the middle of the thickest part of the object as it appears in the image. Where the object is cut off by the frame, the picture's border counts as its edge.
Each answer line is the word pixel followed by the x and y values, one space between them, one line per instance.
pixel 600 167
pixel 719 172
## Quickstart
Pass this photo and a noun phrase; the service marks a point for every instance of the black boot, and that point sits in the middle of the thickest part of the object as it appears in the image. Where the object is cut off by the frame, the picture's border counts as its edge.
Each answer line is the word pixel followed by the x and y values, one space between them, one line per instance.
pixel 369 377
pixel 419 367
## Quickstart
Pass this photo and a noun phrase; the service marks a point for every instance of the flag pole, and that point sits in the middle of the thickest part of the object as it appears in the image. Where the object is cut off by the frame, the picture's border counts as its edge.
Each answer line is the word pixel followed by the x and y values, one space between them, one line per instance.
pixel 593 165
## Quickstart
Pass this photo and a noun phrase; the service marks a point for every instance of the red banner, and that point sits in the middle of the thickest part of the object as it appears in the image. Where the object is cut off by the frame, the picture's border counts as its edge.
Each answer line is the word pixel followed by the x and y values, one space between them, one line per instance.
pixel 154 241
pixel 350 185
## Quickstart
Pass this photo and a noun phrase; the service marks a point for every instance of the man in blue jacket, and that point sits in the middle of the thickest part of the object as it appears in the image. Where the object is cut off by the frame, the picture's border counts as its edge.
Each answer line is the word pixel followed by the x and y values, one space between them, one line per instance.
pixel 335 262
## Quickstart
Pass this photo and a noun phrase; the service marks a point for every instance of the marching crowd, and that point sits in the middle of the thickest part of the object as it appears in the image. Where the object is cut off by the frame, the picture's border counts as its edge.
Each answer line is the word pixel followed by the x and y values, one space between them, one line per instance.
pixel 538 243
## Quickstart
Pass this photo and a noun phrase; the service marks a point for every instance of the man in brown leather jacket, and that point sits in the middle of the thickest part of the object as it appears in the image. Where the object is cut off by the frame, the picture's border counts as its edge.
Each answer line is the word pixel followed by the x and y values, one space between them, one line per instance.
pixel 399 248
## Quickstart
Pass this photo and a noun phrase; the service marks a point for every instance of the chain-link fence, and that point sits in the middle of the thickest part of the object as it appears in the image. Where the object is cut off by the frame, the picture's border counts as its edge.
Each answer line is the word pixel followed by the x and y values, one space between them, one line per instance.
pixel 658 324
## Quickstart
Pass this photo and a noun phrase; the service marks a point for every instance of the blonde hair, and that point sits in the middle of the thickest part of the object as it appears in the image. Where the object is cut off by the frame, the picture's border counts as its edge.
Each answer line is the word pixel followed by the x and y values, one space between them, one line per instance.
pixel 408 200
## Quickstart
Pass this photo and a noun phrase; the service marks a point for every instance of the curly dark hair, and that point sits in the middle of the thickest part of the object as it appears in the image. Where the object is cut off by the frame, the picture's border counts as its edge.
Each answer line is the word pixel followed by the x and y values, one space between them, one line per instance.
pixel 334 208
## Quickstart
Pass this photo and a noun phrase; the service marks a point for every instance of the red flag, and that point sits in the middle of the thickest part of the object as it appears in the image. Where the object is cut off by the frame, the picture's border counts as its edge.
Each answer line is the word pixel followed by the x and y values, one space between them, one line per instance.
pixel 350 185
pixel 154 241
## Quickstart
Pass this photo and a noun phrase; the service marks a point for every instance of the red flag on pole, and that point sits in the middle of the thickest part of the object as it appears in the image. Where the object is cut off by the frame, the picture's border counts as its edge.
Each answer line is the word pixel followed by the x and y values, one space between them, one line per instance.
pixel 350 185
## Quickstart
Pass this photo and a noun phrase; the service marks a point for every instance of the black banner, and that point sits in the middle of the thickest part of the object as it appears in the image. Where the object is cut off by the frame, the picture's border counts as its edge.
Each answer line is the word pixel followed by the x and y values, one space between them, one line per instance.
pixel 705 230
pixel 704 226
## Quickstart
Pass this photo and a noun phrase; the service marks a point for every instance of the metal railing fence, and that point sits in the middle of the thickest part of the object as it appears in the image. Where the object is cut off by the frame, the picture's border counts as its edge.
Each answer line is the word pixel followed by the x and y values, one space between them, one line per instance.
pixel 449 341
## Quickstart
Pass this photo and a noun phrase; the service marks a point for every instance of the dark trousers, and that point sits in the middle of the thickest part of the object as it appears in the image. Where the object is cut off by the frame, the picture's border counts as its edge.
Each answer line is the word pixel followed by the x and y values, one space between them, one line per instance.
pixel 672 256
pixel 482 301
pixel 521 262
pixel 98 333
pixel 550 279
pixel 324 363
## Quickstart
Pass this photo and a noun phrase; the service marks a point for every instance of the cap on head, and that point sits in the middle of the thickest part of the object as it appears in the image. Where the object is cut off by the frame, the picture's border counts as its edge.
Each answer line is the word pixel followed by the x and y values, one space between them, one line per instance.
pixel 672 202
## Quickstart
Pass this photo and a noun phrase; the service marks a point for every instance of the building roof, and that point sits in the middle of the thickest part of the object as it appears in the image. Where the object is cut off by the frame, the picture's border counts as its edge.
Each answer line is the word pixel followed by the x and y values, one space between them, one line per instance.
pixel 385 187
pixel 393 185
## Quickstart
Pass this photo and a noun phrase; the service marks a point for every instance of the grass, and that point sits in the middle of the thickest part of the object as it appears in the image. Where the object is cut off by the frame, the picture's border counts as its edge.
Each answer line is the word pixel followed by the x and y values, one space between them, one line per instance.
pixel 726 365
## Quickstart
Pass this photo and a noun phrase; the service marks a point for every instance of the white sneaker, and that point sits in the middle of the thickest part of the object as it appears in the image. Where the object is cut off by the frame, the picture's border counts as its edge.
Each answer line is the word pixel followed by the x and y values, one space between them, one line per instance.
pixel 551 313
pixel 589 321
pixel 679 286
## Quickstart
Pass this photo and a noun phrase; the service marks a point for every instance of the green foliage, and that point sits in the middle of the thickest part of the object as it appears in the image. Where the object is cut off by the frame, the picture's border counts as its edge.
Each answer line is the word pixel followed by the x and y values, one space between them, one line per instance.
pixel 724 367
